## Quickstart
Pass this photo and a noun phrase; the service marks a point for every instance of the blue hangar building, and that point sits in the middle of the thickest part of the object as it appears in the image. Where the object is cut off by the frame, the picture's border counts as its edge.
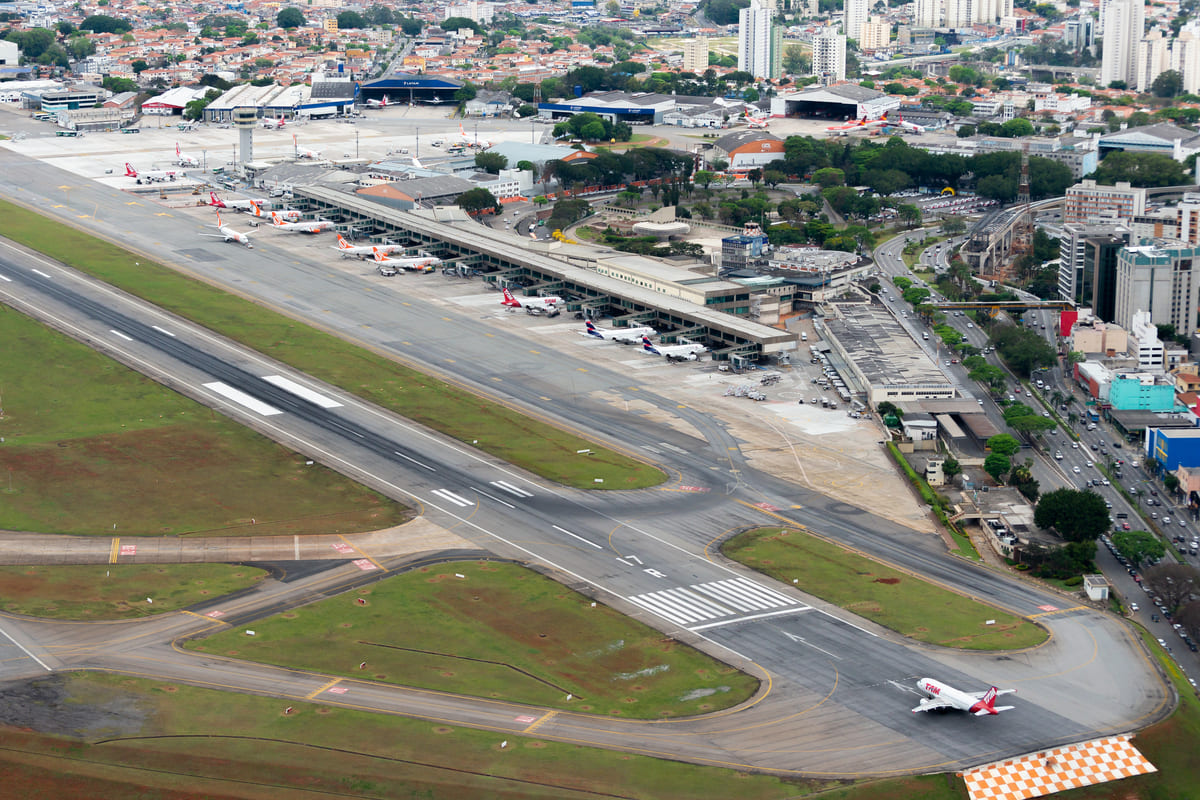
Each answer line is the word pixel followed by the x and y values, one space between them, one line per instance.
pixel 404 88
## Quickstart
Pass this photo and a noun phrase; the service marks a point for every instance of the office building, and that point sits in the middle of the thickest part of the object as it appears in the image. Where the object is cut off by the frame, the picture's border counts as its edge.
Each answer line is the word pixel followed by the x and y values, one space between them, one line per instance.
pixel 1080 32
pixel 1160 278
pixel 1100 273
pixel 1089 202
pixel 759 41
pixel 1074 281
pixel 1124 22
pixel 829 56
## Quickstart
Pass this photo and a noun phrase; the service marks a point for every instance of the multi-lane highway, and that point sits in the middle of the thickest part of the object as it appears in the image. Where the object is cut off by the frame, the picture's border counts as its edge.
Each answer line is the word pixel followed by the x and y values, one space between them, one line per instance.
pixel 838 688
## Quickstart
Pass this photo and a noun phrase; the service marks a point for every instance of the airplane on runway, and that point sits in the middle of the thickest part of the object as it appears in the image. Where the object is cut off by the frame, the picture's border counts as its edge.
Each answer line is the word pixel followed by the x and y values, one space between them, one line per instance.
pixel 303 152
pixel 229 234
pixel 365 251
pixel 858 124
pixel 153 175
pixel 482 144
pixel 946 698
pixel 288 214
pixel 235 205
pixel 313 226
pixel 623 336
pixel 674 352
pixel 532 305
pixel 185 159
pixel 378 103
pixel 274 124
pixel 757 122
pixel 422 263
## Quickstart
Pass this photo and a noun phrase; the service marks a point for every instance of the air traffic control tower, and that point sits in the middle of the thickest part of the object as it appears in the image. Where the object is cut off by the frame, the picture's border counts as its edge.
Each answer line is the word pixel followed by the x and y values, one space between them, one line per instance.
pixel 244 119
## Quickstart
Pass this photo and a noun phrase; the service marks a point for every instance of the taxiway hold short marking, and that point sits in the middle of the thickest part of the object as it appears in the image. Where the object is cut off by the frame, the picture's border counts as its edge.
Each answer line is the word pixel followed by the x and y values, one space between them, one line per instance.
pixel 544 719
pixel 241 398
pixel 302 392
pixel 112 552
pixel 324 688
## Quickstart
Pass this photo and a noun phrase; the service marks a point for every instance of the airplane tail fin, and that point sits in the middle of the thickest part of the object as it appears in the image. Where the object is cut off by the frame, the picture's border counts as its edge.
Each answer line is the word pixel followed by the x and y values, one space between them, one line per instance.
pixel 988 705
pixel 344 245
pixel 178 154
pixel 255 209
pixel 461 132
pixel 213 200
pixel 218 219
pixel 130 172
pixel 508 298
pixel 648 346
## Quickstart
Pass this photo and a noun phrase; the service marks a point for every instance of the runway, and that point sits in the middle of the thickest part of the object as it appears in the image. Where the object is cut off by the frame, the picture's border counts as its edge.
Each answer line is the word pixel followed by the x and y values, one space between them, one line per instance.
pixel 839 689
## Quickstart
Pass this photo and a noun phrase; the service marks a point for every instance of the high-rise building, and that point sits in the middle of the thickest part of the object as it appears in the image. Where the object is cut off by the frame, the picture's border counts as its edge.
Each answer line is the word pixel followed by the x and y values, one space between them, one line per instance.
pixel 1185 56
pixel 758 40
pixel 927 14
pixel 855 15
pixel 695 55
pixel 1088 201
pixel 1080 32
pixel 472 10
pixel 959 13
pixel 1100 271
pixel 1075 282
pixel 1153 59
pixel 829 56
pixel 1162 278
pixel 1124 22
pixel 876 34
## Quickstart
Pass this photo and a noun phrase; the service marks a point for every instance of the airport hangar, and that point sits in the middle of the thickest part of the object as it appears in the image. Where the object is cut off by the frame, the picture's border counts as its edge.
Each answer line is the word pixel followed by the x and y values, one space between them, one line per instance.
pixel 692 309
pixel 406 88
pixel 843 101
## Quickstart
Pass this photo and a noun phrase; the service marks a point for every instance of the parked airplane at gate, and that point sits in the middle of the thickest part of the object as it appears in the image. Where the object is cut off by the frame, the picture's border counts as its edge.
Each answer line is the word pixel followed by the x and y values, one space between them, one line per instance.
pixel 674 352
pixel 288 214
pixel 185 159
pixel 482 144
pixel 153 175
pixel 908 126
pixel 229 234
pixel 422 263
pixel 532 305
pixel 274 124
pixel 312 226
pixel 304 152
pixel 858 124
pixel 623 335
pixel 235 205
pixel 378 103
pixel 944 698
pixel 365 251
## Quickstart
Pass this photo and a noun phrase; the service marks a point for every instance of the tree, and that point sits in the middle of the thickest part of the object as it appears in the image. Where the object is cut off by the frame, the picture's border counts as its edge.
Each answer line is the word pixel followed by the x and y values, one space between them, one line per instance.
pixel 32 42
pixel 1138 546
pixel 1173 583
pixel 1016 128
pixel 491 163
pixel 118 85
pixel 909 214
pixel 80 47
pixel 290 17
pixel 1140 169
pixel 952 225
pixel 466 92
pixel 139 66
pixel 829 177
pixel 997 466
pixel 411 26
pixel 102 23
pixel 350 19
pixel 458 23
pixel 1168 84
pixel 950 468
pixel 474 201
pixel 1004 444
pixel 1077 516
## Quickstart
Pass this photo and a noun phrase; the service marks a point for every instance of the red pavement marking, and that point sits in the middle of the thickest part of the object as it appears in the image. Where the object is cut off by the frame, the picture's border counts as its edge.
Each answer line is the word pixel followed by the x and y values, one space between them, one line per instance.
pixel 364 564
pixel 129 549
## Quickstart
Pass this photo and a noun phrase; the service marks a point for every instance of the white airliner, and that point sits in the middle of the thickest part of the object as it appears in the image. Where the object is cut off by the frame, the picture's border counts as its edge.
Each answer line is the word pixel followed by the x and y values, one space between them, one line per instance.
pixel 365 251
pixel 482 144
pixel 532 305
pixel 422 263
pixel 304 152
pixel 274 124
pixel 624 335
pixel 946 698
pixel 757 122
pixel 153 175
pixel 908 126
pixel 312 226
pixel 185 159
pixel 378 103
pixel 236 205
pixel 229 234
pixel 674 352
pixel 288 214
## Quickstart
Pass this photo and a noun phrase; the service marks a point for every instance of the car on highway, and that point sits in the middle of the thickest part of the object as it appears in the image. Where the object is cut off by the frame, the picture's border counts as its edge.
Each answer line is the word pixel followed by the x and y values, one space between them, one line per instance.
pixel 1090 465
pixel 1075 470
pixel 1124 526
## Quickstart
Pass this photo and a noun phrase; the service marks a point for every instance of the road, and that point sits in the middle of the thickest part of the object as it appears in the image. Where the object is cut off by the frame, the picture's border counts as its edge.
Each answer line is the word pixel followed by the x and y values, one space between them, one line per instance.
pixel 837 685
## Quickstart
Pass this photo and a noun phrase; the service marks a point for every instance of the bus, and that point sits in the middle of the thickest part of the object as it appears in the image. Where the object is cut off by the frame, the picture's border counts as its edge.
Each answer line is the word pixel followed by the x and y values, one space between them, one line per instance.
pixel 66 133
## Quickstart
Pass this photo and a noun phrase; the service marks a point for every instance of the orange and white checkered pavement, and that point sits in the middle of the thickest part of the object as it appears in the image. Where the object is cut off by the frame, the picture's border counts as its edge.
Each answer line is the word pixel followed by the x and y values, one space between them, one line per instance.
pixel 1050 771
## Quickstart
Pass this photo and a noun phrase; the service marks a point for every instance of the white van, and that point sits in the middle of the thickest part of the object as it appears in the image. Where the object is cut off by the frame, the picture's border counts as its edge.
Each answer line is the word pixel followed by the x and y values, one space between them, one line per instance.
pixel 803 336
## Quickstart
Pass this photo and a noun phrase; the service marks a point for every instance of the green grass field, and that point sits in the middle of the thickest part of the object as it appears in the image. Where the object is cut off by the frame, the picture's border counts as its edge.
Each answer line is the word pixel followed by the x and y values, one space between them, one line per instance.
pixel 117 591
pixel 897 600
pixel 90 444
pixel 503 632
pixel 531 443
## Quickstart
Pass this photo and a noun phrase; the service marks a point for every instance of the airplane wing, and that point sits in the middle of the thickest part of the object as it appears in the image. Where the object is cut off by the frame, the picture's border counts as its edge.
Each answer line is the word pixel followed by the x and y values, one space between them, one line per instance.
pixel 933 704
pixel 981 695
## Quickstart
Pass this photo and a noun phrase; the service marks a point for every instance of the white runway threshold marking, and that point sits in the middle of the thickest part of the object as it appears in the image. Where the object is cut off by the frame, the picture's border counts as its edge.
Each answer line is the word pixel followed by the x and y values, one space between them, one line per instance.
pixel 726 601
pixel 446 494
pixel 126 337
pixel 302 392
pixel 511 489
pixel 242 399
